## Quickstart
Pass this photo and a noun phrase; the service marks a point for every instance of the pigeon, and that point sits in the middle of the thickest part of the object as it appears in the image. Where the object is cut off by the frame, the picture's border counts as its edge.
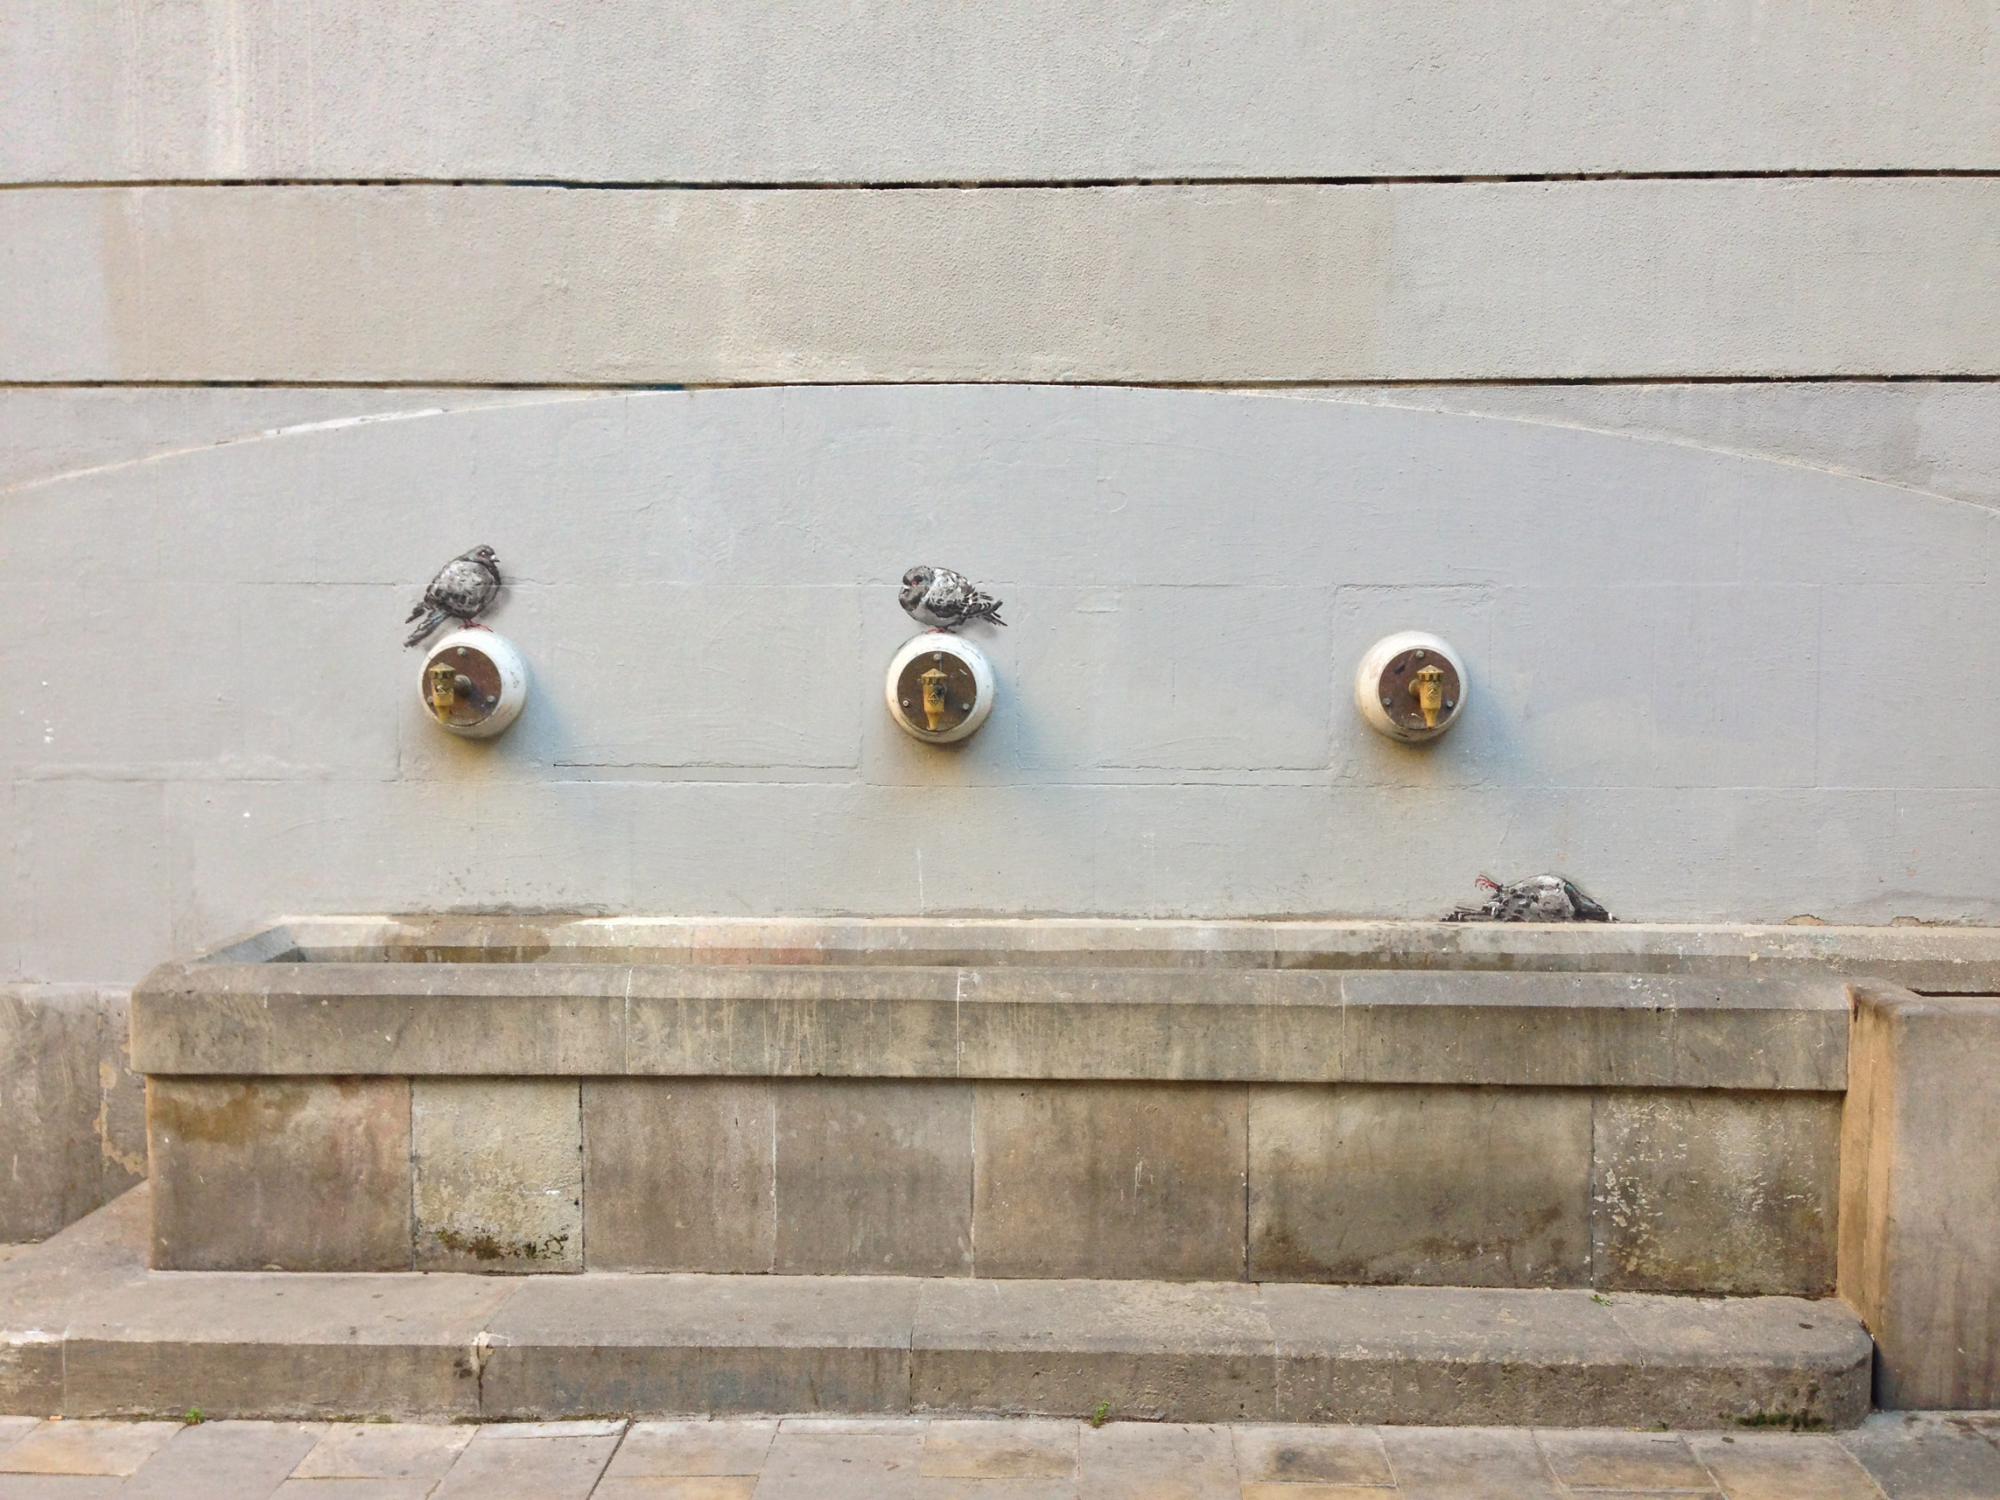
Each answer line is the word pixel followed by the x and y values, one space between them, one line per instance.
pixel 463 590
pixel 945 600
pixel 1539 898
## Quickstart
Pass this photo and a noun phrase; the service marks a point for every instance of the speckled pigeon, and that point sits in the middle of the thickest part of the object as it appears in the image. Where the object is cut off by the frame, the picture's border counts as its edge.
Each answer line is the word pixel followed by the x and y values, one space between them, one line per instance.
pixel 463 590
pixel 1539 898
pixel 945 600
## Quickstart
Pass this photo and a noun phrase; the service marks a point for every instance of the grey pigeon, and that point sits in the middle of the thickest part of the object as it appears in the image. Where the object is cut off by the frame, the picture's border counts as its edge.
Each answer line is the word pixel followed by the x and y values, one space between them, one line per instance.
pixel 945 600
pixel 463 590
pixel 1539 898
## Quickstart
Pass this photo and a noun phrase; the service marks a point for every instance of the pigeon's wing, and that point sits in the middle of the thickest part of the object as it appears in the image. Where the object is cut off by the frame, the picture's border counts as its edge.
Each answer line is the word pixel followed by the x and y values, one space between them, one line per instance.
pixel 1584 908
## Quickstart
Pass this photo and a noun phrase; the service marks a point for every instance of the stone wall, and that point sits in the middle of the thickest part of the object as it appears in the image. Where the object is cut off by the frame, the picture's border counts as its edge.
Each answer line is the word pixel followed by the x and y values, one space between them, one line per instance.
pixel 1655 369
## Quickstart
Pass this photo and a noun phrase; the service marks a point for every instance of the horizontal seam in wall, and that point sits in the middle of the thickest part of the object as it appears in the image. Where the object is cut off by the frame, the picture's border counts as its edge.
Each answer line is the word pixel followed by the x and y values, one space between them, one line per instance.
pixel 978 184
pixel 1328 383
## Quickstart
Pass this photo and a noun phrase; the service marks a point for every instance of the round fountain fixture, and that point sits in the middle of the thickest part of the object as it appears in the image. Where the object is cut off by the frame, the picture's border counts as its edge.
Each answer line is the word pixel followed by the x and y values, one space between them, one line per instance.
pixel 939 688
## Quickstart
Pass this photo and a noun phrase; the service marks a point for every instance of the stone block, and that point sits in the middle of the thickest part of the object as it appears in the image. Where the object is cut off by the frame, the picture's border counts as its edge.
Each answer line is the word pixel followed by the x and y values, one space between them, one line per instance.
pixel 1445 1186
pixel 1110 1180
pixel 680 1174
pixel 282 1346
pixel 1299 1455
pixel 1920 1195
pixel 226 1458
pixel 680 1344
pixel 787 1019
pixel 1595 1030
pixel 1716 1192
pixel 498 1174
pixel 1187 1023
pixel 874 1178
pixel 72 1113
pixel 1199 1353
pixel 1783 1466
pixel 305 1174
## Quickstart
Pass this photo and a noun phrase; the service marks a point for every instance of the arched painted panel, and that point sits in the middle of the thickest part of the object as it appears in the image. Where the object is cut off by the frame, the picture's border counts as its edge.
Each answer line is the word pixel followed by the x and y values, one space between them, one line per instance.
pixel 1711 687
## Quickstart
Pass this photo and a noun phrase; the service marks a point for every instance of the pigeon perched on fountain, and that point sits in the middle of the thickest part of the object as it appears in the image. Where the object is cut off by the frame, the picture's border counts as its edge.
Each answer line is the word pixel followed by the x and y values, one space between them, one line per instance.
pixel 945 600
pixel 463 590
pixel 1539 898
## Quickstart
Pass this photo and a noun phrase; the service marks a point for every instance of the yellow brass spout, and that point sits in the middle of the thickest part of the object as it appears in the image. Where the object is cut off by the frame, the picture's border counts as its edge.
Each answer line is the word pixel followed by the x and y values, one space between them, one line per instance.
pixel 443 688
pixel 1429 691
pixel 934 681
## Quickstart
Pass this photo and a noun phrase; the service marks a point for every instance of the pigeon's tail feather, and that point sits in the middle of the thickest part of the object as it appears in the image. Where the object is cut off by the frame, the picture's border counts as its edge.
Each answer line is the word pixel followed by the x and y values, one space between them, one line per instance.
pixel 984 607
pixel 431 622
pixel 1586 909
pixel 416 610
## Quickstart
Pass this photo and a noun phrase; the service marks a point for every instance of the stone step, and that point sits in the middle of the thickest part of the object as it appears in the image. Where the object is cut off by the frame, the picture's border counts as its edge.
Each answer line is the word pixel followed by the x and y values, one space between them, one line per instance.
pixel 87 1330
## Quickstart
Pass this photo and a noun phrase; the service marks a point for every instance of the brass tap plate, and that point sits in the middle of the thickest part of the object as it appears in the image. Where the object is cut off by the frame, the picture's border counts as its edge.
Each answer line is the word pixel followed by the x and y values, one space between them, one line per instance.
pixel 1396 689
pixel 960 691
pixel 477 706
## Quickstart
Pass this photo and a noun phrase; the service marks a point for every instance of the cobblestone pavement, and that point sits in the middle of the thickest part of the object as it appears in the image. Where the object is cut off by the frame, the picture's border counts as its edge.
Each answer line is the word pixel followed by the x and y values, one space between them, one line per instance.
pixel 1900 1456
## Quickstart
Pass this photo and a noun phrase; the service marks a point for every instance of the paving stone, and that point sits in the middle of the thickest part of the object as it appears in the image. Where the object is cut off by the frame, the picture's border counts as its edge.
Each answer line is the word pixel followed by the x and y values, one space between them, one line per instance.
pixel 873 1426
pixel 384 1450
pixel 676 1344
pixel 354 1489
pixel 1156 1461
pixel 666 1487
pixel 1468 1463
pixel 13 1429
pixel 1116 1180
pixel 1717 1193
pixel 498 1174
pixel 670 1449
pixel 499 1466
pixel 1438 1186
pixel 959 1488
pixel 109 1448
pixel 841 1466
pixel 679 1174
pixel 224 1458
pixel 999 1450
pixel 59 1487
pixel 1622 1460
pixel 1772 1466
pixel 874 1177
pixel 1299 1455
pixel 1929 1455
pixel 1144 1349
pixel 280 1174
pixel 1265 1490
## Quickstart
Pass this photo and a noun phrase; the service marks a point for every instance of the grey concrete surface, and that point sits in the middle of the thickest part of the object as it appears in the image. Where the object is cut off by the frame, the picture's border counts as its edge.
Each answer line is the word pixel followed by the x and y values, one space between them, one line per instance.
pixel 1404 281
pixel 1913 1457
pixel 1918 1187
pixel 1029 89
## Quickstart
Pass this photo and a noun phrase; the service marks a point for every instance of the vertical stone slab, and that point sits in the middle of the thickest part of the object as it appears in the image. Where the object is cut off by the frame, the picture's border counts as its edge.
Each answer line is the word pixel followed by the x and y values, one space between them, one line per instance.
pixel 498 1174
pixel 874 1177
pixel 679 1174
pixel 1428 1185
pixel 300 1174
pixel 1920 1194
pixel 1729 1194
pixel 1123 1180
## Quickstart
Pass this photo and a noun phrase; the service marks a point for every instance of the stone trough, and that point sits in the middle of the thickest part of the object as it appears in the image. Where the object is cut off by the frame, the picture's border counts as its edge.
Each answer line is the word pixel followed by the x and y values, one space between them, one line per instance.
pixel 1601 1110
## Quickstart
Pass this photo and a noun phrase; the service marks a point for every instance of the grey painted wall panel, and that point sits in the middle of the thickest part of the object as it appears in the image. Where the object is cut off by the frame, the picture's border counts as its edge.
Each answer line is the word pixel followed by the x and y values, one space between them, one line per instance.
pixel 709 90
pixel 1709 685
pixel 1160 284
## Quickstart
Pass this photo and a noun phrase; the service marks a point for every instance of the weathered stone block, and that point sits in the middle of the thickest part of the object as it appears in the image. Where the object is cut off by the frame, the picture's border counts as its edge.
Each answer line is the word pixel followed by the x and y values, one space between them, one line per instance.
pixel 793 1020
pixel 874 1177
pixel 72 1113
pixel 307 1174
pixel 1110 1180
pixel 1920 1195
pixel 1444 1186
pixel 1716 1192
pixel 1186 1353
pixel 498 1168
pixel 679 1174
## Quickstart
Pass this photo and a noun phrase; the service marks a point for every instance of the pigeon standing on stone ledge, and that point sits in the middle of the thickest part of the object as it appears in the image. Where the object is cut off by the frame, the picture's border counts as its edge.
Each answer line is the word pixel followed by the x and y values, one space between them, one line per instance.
pixel 463 590
pixel 945 600
pixel 1539 898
